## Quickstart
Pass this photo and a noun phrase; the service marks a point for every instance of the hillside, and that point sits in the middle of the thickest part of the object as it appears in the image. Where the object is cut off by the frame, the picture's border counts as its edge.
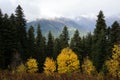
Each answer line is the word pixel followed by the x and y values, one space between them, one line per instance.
pixel 55 25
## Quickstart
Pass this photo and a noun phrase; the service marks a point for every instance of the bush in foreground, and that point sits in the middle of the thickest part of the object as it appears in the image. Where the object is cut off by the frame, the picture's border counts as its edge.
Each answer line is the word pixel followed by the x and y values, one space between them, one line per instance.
pixel 88 67
pixel 32 65
pixel 49 66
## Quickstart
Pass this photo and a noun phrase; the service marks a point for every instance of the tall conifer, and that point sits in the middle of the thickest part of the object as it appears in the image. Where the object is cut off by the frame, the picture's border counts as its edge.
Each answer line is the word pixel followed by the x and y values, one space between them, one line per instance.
pixel 41 48
pixel 115 33
pixel 75 44
pixel 50 45
pixel 1 40
pixel 31 42
pixel 64 38
pixel 99 47
pixel 21 32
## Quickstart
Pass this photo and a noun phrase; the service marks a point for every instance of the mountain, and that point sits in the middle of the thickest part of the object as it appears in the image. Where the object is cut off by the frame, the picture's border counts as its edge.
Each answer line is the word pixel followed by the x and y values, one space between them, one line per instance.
pixel 56 25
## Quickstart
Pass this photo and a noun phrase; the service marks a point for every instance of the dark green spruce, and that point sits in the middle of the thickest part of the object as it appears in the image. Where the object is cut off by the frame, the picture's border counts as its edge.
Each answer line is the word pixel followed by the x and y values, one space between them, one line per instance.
pixel 31 43
pixel 50 45
pixel 64 38
pixel 88 45
pixel 1 41
pixel 75 44
pixel 99 52
pixel 21 32
pixel 41 48
pixel 115 33
pixel 57 48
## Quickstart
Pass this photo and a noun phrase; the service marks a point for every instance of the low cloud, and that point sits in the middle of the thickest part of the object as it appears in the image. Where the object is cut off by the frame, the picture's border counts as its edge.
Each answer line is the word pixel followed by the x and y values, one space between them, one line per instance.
pixel 66 8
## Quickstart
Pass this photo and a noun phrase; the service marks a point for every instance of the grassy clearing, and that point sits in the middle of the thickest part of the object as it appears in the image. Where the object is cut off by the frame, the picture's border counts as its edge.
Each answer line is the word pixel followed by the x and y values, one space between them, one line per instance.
pixel 6 75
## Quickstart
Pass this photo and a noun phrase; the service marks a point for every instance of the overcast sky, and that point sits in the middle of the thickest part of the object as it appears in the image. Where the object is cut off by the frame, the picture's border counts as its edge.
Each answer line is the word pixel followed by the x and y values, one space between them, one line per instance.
pixel 62 8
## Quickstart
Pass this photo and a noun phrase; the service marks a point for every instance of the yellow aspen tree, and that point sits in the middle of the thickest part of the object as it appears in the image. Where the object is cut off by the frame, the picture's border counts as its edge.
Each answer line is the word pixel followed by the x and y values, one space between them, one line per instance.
pixel 21 68
pixel 88 67
pixel 32 65
pixel 67 61
pixel 113 64
pixel 49 66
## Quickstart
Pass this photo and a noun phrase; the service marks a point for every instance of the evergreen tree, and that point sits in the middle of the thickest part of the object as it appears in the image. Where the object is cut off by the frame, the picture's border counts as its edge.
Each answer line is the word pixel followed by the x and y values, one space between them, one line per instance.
pixel 109 43
pixel 83 47
pixel 56 48
pixel 21 32
pixel 39 40
pixel 1 18
pixel 64 37
pixel 14 42
pixel 50 45
pixel 41 48
pixel 113 37
pixel 88 42
pixel 75 44
pixel 1 43
pixel 31 42
pixel 100 25
pixel 99 46
pixel 13 33
pixel 8 41
pixel 1 21
pixel 115 33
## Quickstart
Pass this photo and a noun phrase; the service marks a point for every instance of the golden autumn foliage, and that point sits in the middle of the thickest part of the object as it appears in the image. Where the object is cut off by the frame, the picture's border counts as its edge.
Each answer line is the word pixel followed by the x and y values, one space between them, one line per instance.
pixel 32 65
pixel 21 68
pixel 49 66
pixel 67 61
pixel 113 64
pixel 88 67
